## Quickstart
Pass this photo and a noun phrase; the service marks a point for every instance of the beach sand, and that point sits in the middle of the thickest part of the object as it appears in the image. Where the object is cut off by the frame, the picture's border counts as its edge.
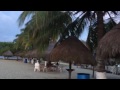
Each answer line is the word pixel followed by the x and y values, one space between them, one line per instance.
pixel 11 69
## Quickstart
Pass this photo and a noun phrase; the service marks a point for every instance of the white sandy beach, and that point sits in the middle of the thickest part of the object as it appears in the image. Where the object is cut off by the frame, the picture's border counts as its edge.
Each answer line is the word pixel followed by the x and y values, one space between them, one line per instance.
pixel 11 69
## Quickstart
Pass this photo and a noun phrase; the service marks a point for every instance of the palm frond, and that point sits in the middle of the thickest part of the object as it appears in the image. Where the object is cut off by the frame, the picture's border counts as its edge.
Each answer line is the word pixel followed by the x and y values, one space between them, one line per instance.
pixel 23 16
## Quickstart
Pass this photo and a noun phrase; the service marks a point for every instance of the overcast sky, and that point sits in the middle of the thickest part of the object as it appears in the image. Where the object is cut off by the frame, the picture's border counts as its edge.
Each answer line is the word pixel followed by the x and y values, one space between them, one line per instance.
pixel 9 26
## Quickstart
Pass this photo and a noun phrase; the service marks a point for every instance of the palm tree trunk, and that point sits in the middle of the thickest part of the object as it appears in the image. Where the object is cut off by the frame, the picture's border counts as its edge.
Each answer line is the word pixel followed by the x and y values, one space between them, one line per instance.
pixel 70 64
pixel 100 70
pixel 100 25
pixel 93 72
pixel 100 74
pixel 17 58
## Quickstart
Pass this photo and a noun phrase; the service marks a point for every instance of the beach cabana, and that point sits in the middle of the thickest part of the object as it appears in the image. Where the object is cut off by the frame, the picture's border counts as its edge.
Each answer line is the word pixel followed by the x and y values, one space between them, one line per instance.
pixel 28 54
pixel 7 54
pixel 34 53
pixel 19 54
pixel 72 49
pixel 108 47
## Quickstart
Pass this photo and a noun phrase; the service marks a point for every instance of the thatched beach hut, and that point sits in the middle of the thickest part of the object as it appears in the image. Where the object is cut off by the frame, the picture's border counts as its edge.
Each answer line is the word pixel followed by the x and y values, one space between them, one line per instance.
pixel 108 47
pixel 72 49
pixel 7 54
pixel 20 53
pixel 28 54
pixel 34 53
pixel 37 54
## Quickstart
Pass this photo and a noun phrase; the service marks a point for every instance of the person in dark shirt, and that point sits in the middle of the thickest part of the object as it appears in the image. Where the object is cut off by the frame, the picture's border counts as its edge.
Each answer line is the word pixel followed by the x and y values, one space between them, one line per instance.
pixel 57 64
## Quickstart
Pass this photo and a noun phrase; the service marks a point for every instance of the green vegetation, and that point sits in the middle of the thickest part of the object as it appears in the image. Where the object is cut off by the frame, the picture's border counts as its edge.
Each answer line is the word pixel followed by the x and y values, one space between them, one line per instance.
pixel 5 46
pixel 43 27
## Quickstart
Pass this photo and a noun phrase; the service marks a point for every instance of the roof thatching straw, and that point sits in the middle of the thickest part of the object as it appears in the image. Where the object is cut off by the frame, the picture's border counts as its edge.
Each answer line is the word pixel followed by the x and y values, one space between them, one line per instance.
pixel 20 53
pixel 28 54
pixel 8 53
pixel 17 54
pixel 109 45
pixel 35 54
pixel 72 49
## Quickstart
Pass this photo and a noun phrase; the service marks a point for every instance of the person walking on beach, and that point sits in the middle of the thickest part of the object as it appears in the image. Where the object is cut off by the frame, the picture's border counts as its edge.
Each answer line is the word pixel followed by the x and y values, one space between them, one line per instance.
pixel 37 66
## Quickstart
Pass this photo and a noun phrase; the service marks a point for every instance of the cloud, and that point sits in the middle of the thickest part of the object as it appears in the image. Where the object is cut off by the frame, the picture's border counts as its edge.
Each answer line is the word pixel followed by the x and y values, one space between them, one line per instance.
pixel 8 25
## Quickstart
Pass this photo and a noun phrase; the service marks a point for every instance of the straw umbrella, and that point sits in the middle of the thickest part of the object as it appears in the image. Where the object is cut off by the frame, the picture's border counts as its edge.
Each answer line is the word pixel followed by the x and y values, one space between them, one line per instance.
pixel 28 54
pixel 20 53
pixel 108 47
pixel 8 54
pixel 34 53
pixel 72 49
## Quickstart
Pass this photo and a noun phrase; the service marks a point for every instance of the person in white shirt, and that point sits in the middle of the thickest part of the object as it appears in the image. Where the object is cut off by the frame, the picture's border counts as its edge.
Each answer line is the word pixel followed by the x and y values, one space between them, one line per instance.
pixel 32 61
pixel 37 66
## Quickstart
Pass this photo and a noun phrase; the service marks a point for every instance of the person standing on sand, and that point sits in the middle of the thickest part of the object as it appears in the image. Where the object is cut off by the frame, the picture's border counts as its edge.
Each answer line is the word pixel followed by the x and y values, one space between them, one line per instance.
pixel 37 66
pixel 32 61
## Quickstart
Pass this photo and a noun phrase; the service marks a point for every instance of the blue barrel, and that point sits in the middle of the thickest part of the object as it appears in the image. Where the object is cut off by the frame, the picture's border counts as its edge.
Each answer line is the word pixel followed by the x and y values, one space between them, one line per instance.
pixel 25 61
pixel 83 76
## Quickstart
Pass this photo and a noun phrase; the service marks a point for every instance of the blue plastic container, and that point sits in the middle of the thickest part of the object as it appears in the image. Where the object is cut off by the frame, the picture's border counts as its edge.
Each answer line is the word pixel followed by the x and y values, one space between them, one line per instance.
pixel 83 76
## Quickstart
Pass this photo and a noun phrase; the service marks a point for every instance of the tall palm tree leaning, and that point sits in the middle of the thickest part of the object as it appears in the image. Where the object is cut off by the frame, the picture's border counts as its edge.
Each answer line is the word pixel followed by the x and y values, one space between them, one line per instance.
pixel 100 74
pixel 97 16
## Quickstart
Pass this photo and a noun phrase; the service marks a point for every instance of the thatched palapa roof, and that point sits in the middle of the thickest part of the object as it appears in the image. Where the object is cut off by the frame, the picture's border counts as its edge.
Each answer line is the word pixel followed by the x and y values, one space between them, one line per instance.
pixel 28 54
pixel 37 54
pixel 20 53
pixel 72 49
pixel 109 45
pixel 8 53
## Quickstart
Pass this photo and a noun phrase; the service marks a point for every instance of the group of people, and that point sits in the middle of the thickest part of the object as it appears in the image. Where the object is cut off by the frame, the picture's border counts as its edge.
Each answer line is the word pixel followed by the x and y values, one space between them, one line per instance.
pixel 31 60
pixel 38 65
pixel 47 66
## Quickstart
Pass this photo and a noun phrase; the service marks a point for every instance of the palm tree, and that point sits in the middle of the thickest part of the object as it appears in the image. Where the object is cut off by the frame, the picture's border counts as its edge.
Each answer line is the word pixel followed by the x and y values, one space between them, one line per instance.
pixel 92 36
pixel 24 41
pixel 97 16
pixel 45 25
